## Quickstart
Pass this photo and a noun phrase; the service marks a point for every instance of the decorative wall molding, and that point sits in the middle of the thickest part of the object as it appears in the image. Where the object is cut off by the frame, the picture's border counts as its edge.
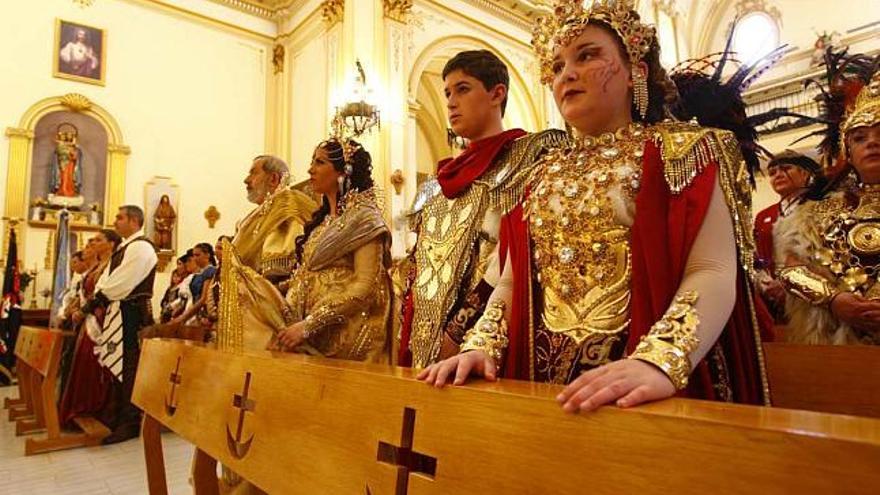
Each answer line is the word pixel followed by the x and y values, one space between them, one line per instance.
pixel 398 10
pixel 332 11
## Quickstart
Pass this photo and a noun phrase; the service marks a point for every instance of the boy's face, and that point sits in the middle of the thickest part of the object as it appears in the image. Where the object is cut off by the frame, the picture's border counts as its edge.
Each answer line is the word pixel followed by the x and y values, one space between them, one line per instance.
pixel 471 107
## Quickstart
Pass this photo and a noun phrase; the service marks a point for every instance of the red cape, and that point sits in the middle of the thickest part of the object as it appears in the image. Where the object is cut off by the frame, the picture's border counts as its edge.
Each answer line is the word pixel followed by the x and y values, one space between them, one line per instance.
pixel 662 235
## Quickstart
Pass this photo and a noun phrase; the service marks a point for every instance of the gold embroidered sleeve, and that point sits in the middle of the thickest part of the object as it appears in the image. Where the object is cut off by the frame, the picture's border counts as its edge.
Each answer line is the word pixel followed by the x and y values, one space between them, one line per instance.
pixel 490 333
pixel 808 285
pixel 672 339
pixel 358 295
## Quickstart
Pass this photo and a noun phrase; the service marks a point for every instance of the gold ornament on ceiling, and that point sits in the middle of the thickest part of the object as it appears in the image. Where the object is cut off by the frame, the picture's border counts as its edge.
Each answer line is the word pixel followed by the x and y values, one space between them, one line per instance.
pixel 76 102
pixel 84 3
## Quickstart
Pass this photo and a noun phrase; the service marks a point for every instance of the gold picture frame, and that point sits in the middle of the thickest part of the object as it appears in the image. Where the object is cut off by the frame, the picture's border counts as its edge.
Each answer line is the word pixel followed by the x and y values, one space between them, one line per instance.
pixel 79 52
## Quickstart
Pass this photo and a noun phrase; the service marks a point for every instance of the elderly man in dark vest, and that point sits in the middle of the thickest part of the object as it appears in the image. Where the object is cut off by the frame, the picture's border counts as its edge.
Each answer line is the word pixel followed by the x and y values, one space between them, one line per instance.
pixel 123 294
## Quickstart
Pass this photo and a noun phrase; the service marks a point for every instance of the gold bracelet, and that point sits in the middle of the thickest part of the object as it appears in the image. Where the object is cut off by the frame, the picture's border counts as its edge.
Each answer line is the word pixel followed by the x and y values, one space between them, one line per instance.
pixel 808 285
pixel 319 319
pixel 490 333
pixel 671 340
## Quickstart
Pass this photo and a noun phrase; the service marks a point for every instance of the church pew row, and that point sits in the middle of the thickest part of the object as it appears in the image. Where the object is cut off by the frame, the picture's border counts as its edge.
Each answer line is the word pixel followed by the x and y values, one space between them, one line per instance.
pixel 38 353
pixel 22 406
pixel 294 424
pixel 826 378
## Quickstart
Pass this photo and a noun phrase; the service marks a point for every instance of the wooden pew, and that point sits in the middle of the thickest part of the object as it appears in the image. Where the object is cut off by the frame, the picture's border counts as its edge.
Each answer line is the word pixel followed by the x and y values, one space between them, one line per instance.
pixel 22 406
pixel 294 424
pixel 39 358
pixel 825 378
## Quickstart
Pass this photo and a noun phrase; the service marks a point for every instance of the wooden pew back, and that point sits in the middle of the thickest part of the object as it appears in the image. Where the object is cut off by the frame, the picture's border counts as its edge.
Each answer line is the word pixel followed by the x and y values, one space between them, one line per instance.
pixel 294 424
pixel 39 360
pixel 40 349
pixel 826 378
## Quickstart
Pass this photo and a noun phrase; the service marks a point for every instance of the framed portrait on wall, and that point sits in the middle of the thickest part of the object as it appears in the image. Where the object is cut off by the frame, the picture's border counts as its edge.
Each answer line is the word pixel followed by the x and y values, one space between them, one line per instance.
pixel 79 52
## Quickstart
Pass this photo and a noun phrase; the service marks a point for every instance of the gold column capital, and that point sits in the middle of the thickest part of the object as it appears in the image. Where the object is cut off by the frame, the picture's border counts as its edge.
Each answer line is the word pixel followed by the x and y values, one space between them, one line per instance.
pixel 397 10
pixel 332 11
pixel 119 148
pixel 18 132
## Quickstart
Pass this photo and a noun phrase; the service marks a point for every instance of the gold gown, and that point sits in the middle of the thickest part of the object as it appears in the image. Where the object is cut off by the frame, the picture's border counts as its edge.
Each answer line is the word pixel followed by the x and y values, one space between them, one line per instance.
pixel 341 289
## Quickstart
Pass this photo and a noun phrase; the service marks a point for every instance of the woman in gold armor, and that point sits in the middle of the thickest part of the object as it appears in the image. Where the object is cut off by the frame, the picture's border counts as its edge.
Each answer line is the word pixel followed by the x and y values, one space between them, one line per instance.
pixel 338 301
pixel 625 280
pixel 831 245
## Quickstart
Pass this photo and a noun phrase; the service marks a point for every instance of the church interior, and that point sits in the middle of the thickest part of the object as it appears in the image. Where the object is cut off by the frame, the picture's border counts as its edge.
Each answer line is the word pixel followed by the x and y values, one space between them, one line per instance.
pixel 85 84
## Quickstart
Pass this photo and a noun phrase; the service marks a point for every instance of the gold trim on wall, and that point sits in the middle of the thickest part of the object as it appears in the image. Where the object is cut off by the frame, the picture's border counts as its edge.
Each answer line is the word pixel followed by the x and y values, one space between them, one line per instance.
pixel 56 53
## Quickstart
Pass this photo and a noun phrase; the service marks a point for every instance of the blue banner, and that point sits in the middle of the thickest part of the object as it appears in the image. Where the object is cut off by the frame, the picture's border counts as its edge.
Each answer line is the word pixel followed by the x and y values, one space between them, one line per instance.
pixel 61 276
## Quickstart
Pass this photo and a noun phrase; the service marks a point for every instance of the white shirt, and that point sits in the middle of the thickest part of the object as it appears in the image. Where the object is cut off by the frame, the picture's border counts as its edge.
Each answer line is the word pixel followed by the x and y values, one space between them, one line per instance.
pixel 137 262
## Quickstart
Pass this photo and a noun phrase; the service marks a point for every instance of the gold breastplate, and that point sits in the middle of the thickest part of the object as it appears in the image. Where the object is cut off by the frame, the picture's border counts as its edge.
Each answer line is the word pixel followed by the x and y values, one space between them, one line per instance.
pixel 851 242
pixel 580 245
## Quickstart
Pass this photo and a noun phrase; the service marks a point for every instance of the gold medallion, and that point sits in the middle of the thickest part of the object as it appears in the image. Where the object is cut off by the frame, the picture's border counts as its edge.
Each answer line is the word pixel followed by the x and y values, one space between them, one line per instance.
pixel 865 238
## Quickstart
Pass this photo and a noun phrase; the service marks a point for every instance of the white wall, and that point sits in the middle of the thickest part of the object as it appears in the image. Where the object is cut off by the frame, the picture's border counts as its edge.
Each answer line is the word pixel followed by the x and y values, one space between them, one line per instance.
pixel 188 96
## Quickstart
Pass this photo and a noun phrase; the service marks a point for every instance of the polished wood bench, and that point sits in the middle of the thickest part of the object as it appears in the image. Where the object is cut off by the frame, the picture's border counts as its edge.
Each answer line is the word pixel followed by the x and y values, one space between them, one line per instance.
pixel 841 379
pixel 38 353
pixel 293 424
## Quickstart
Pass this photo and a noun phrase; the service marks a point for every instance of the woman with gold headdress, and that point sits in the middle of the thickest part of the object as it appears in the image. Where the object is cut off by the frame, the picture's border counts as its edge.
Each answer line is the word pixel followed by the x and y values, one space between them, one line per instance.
pixel 338 301
pixel 831 245
pixel 625 281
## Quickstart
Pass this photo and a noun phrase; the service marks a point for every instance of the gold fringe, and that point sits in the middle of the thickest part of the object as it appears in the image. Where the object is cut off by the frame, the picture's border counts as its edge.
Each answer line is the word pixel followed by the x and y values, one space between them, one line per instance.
pixel 230 336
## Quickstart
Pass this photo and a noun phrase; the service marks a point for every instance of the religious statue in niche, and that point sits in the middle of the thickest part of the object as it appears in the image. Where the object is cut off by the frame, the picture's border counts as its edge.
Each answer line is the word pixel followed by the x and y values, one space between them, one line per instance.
pixel 164 219
pixel 65 179
pixel 69 170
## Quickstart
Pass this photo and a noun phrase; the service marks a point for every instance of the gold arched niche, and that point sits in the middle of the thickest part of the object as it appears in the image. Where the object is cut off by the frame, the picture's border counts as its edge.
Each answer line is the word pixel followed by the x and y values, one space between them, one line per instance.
pixel 21 142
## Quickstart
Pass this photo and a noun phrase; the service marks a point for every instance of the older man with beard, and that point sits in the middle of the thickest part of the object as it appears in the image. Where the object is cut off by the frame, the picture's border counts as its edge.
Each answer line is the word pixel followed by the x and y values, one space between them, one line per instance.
pixel 265 239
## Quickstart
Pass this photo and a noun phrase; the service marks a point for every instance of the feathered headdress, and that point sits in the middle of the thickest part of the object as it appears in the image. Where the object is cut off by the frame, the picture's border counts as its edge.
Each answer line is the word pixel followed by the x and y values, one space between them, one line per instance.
pixel 715 103
pixel 845 76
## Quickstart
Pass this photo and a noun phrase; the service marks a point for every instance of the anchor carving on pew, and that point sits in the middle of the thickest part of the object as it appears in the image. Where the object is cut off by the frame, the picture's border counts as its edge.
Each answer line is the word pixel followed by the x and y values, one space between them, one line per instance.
pixel 237 448
pixel 174 378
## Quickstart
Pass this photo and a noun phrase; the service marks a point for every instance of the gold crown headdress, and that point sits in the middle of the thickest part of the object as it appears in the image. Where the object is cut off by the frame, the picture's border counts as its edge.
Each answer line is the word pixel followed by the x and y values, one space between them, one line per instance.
pixel 568 21
pixel 865 111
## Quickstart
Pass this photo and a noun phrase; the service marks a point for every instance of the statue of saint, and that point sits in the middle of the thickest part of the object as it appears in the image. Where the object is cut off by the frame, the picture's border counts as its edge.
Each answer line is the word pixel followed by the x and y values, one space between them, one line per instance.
pixel 66 169
pixel 164 219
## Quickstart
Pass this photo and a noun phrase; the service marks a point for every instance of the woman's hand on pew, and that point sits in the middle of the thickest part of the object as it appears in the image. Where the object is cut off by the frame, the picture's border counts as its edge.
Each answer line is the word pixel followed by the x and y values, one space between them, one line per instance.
pixel 459 367
pixel 859 312
pixel 292 336
pixel 627 382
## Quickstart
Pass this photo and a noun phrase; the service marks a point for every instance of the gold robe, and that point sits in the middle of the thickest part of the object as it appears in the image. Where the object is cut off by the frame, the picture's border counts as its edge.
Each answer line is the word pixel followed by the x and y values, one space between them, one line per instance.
pixel 341 289
pixel 265 239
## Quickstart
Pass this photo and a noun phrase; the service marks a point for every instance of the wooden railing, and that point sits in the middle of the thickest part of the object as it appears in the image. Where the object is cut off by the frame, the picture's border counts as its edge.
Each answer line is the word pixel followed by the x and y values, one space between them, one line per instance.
pixel 292 424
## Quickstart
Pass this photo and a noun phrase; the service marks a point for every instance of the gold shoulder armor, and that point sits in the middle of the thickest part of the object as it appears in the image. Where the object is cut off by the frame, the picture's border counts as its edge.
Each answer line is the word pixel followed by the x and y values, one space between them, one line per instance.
pixel 687 148
pixel 507 181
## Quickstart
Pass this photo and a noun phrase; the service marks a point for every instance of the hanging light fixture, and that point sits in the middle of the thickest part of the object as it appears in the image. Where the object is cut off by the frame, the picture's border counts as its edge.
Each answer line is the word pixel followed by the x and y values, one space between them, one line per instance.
pixel 357 115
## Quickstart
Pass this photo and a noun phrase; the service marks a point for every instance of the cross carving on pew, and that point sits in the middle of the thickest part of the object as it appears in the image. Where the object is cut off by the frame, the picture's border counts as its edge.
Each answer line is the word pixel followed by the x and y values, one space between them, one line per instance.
pixel 406 460
pixel 174 379
pixel 237 448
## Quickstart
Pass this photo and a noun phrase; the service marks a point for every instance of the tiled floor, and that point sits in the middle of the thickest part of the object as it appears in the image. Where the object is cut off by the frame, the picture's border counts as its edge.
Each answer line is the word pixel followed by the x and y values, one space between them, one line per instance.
pixel 112 470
